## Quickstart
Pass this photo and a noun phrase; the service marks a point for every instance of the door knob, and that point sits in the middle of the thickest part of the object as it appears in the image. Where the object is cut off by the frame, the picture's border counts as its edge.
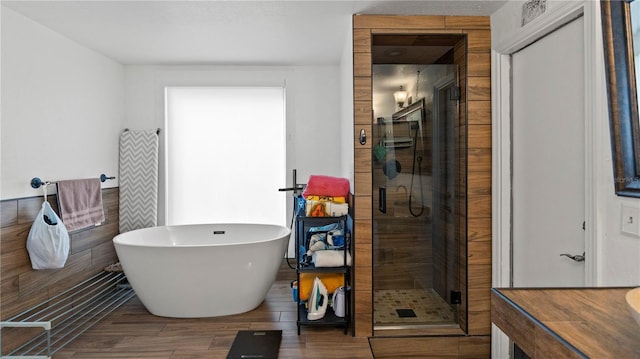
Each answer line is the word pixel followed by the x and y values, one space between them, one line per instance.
pixel 575 257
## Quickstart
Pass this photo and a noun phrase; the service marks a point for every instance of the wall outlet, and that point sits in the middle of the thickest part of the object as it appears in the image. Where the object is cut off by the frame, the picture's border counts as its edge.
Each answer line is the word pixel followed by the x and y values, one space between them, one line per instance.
pixel 631 220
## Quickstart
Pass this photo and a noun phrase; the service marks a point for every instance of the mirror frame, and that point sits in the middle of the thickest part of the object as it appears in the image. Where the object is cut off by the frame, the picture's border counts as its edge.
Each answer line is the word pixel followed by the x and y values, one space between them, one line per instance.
pixel 622 96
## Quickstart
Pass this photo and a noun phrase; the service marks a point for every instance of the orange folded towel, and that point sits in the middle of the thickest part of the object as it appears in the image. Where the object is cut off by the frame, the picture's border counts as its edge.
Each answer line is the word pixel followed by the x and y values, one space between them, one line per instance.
pixel 332 281
pixel 327 199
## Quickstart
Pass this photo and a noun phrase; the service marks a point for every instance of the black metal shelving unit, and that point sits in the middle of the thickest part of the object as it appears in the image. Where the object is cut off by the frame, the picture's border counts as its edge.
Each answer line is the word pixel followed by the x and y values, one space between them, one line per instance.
pixel 302 226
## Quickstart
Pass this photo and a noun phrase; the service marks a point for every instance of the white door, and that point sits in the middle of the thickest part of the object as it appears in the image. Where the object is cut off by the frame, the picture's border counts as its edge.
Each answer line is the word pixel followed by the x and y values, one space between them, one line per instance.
pixel 548 158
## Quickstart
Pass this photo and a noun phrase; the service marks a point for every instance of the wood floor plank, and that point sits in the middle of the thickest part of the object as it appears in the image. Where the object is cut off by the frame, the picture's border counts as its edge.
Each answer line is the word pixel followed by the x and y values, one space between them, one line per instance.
pixel 188 330
pixel 137 343
pixel 209 354
pixel 132 332
pixel 95 342
pixel 116 329
pixel 84 354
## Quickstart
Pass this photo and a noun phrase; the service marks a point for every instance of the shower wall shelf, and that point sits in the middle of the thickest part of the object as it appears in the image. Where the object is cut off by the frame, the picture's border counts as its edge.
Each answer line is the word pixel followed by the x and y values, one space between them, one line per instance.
pixel 383 121
pixel 302 225
pixel 407 112
pixel 397 142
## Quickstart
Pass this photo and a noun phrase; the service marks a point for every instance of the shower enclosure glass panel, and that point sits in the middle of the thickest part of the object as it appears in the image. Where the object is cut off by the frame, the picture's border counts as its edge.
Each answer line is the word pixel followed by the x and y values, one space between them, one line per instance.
pixel 416 214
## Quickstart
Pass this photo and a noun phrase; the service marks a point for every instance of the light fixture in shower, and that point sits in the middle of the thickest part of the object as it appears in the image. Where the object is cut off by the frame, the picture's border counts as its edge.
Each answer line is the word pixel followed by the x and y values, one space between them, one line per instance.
pixel 400 96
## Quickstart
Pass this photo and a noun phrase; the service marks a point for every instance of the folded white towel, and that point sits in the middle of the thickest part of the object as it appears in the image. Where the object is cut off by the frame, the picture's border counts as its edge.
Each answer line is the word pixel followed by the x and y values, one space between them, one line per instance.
pixel 337 209
pixel 330 258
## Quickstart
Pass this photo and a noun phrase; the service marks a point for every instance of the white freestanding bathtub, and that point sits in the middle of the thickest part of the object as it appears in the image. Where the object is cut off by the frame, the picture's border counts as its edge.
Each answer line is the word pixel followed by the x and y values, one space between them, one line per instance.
pixel 202 270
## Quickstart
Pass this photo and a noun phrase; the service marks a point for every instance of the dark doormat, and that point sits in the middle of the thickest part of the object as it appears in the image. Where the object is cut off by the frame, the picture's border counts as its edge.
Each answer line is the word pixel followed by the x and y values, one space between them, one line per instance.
pixel 406 313
pixel 256 344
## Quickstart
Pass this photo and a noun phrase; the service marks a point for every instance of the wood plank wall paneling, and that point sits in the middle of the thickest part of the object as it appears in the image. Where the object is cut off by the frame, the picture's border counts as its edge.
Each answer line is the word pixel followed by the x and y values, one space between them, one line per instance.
pixel 363 112
pixel 385 22
pixel 479 181
pixel 90 251
pixel 402 252
pixel 363 118
pixel 460 59
pixel 362 64
pixel 476 97
pixel 479 113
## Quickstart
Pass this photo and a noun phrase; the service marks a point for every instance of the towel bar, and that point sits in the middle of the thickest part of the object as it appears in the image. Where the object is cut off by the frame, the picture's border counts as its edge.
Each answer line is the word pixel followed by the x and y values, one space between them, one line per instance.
pixel 36 182
pixel 157 131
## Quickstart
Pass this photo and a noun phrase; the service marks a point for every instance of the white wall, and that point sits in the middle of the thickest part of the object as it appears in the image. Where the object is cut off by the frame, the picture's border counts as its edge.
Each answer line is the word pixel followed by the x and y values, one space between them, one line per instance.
pixel 346 107
pixel 617 254
pixel 62 108
pixel 312 109
pixel 507 20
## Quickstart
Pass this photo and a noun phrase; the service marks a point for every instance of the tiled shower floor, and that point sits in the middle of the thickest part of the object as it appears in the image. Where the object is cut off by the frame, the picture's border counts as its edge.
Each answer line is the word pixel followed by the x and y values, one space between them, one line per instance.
pixel 428 306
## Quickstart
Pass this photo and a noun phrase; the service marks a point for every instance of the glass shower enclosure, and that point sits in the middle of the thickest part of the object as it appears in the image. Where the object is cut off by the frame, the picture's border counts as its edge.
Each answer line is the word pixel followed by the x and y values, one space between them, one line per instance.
pixel 418 194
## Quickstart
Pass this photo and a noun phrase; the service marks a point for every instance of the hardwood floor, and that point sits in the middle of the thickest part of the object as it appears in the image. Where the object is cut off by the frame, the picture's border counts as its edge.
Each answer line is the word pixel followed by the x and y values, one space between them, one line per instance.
pixel 132 332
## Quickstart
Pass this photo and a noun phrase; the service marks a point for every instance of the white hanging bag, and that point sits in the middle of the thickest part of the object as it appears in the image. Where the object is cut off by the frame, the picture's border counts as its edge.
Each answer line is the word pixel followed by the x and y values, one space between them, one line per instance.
pixel 48 240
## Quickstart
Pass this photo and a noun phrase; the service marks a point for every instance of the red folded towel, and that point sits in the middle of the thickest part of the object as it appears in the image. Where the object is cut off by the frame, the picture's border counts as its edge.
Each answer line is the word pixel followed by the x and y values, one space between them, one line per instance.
pixel 319 185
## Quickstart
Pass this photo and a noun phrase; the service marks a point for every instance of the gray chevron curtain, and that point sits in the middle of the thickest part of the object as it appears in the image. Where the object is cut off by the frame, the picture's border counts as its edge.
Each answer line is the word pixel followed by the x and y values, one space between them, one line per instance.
pixel 138 179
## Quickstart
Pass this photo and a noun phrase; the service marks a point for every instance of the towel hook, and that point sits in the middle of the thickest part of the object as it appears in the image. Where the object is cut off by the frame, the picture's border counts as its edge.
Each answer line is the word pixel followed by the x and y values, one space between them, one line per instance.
pixel 104 177
pixel 37 182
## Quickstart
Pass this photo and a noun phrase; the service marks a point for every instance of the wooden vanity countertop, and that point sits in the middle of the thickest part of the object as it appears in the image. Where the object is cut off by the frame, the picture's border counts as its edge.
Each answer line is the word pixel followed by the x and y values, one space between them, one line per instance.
pixel 567 323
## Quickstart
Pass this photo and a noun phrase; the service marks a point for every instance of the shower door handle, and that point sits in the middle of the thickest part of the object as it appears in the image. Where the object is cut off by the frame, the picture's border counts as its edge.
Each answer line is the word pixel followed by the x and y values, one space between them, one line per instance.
pixel 382 199
pixel 363 137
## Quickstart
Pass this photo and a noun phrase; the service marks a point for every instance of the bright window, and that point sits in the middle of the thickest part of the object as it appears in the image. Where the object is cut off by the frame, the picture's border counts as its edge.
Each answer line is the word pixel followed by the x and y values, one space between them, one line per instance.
pixel 225 155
